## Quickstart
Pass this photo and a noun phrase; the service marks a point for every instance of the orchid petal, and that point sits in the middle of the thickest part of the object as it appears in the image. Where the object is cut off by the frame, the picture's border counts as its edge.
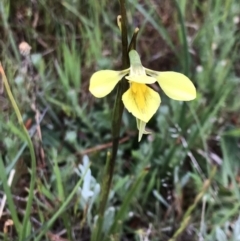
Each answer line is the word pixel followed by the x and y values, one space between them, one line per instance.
pixel 141 101
pixel 103 82
pixel 176 86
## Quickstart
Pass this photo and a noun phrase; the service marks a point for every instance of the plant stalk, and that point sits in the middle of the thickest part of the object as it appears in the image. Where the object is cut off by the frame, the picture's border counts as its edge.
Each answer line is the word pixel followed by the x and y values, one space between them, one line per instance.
pixel 116 119
pixel 122 87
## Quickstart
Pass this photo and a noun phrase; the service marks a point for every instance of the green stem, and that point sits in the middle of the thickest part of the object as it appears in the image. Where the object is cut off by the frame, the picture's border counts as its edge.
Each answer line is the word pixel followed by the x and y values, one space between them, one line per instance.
pixel 32 153
pixel 125 58
pixel 116 121
pixel 122 87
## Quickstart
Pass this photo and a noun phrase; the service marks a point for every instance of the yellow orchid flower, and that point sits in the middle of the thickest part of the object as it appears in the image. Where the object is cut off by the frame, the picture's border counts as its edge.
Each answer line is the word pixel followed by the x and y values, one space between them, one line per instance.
pixel 141 100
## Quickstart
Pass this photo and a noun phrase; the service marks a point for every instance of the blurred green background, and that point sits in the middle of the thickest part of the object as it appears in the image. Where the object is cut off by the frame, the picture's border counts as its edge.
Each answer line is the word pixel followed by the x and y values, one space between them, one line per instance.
pixel 70 40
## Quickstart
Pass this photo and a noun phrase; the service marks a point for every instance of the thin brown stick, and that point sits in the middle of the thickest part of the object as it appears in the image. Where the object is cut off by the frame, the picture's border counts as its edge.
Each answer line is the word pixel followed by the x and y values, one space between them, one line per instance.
pixel 102 147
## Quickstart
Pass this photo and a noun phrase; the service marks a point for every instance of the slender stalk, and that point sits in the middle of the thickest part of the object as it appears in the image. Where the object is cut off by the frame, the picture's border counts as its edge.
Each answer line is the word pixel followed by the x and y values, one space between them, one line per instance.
pixel 116 120
pixel 31 149
pixel 118 106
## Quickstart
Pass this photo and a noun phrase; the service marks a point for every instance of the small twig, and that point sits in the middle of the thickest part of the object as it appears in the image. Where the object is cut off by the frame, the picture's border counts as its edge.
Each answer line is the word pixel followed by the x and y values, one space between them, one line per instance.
pixel 193 159
pixel 203 217
pixel 101 147
pixel 25 49
pixel 35 13
pixel 33 128
pixel 17 198
pixel 1 86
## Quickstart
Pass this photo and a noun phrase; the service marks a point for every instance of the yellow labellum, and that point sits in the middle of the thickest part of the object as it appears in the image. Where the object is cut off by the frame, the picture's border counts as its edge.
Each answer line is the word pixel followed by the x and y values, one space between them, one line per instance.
pixel 141 101
pixel 138 93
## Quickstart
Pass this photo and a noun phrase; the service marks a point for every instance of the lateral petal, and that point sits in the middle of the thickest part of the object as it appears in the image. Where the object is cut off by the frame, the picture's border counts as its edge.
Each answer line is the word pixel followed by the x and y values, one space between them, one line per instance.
pixel 176 86
pixel 141 101
pixel 103 82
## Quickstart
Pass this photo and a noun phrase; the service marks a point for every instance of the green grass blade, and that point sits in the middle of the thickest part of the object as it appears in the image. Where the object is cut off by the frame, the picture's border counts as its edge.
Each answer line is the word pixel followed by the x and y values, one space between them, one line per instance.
pixel 10 201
